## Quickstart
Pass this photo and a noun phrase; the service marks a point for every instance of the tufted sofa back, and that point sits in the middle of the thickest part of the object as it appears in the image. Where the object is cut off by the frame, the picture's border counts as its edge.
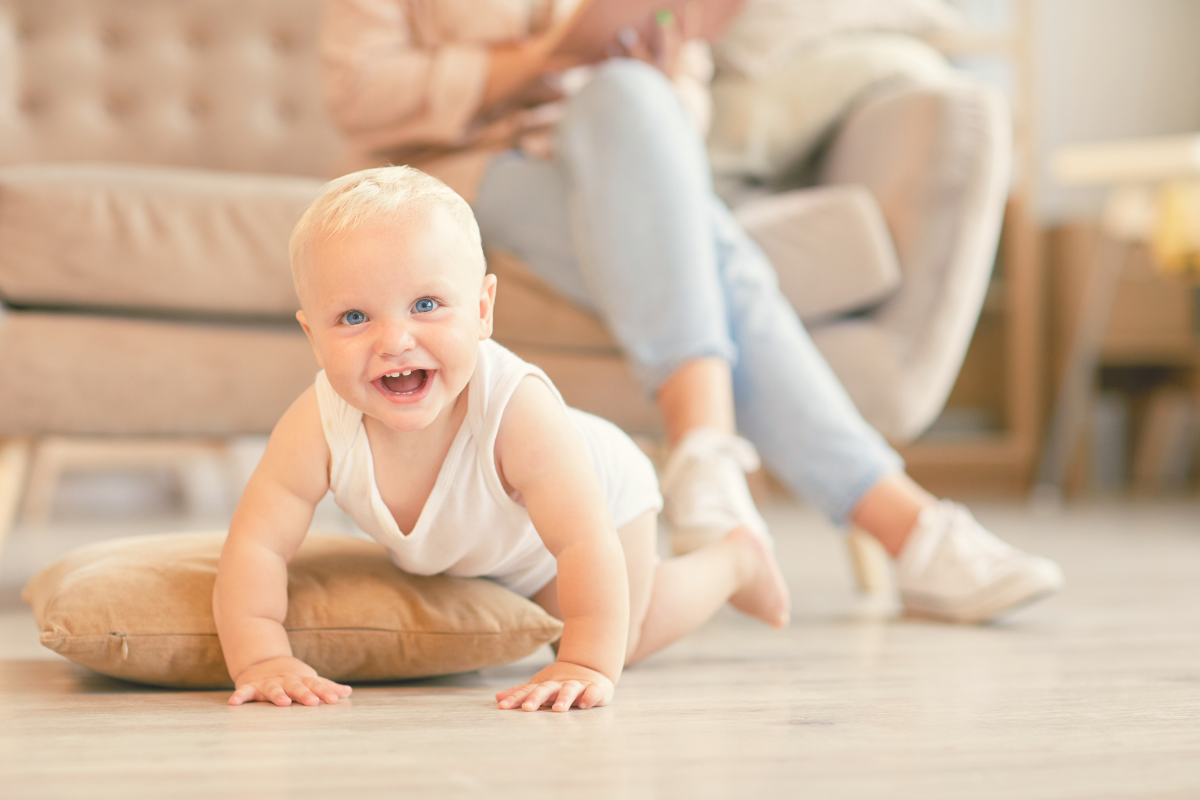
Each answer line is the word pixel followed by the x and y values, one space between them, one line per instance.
pixel 220 84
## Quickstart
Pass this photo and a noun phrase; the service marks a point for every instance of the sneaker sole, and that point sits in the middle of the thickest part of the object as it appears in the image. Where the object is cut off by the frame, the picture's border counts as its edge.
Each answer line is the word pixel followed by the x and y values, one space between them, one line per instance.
pixel 997 601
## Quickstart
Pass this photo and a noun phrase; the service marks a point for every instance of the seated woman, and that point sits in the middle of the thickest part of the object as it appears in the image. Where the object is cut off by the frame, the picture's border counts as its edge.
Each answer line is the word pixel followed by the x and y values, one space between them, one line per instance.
pixel 608 197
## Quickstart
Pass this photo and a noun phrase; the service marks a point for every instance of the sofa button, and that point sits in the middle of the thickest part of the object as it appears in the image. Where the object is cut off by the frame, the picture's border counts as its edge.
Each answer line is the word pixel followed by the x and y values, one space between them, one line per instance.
pixel 31 105
pixel 283 41
pixel 113 39
pixel 118 105
pixel 198 38
pixel 198 107
pixel 288 110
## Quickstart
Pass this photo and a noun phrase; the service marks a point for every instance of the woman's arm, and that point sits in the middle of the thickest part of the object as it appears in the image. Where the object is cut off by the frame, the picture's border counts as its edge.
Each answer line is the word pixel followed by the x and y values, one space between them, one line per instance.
pixel 541 455
pixel 385 90
pixel 250 597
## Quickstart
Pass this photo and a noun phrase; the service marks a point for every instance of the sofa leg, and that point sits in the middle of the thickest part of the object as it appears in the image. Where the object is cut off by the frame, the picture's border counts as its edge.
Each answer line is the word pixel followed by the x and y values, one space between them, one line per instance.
pixel 14 466
pixel 872 566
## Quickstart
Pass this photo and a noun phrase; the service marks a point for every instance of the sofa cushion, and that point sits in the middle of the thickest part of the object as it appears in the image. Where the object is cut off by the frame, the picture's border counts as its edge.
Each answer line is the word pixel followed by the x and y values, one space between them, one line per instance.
pixel 768 32
pixel 135 237
pixel 94 374
pixel 529 311
pixel 216 84
pixel 140 609
pixel 937 161
pixel 765 125
pixel 830 248
pixel 571 344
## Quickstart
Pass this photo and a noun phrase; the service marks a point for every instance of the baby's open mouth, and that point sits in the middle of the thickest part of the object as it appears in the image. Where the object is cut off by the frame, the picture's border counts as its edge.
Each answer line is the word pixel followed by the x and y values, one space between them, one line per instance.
pixel 407 382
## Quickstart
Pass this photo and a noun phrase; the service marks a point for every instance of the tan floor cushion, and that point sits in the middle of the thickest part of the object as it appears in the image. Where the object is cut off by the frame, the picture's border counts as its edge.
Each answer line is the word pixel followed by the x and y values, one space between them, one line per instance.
pixel 140 609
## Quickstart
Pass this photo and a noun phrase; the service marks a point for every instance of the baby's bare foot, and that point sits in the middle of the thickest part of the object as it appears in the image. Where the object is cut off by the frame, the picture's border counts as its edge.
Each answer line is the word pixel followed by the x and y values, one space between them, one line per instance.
pixel 763 592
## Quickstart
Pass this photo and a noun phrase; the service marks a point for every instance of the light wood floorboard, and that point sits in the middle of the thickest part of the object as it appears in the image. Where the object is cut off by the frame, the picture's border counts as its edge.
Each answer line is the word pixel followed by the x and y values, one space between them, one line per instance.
pixel 1094 694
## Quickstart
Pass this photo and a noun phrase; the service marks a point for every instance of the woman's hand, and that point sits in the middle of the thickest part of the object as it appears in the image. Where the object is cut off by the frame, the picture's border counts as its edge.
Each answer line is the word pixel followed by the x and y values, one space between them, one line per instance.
pixel 282 680
pixel 666 42
pixel 524 71
pixel 562 686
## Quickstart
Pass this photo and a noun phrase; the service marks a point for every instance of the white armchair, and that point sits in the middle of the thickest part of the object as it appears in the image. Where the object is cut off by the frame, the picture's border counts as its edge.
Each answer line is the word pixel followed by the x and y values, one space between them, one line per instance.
pixel 887 256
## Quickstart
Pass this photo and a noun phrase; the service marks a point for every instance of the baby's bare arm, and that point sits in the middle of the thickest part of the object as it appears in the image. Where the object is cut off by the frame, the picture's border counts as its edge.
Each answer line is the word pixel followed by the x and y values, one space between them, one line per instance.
pixel 542 456
pixel 250 598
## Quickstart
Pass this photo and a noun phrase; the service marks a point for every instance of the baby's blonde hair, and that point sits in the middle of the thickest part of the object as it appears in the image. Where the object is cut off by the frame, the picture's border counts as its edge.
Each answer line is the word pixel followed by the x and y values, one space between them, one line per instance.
pixel 371 195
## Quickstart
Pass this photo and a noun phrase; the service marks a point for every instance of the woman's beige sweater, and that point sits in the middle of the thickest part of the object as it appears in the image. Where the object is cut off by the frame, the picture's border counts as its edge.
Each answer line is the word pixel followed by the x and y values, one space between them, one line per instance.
pixel 404 79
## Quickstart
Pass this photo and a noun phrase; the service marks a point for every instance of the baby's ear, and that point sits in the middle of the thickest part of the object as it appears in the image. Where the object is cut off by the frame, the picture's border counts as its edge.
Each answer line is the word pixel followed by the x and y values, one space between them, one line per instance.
pixel 303 320
pixel 487 302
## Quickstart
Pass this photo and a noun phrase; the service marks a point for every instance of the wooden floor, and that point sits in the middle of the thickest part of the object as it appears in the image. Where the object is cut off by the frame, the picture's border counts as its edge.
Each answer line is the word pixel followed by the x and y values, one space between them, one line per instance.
pixel 1095 694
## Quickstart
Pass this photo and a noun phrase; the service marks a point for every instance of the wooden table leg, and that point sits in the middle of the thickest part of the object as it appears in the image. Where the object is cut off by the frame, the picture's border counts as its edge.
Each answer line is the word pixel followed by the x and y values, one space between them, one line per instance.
pixel 14 464
pixel 1073 401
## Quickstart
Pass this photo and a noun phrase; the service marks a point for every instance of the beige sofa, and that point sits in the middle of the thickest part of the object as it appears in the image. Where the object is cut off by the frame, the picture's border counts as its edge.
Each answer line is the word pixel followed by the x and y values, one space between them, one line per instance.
pixel 154 156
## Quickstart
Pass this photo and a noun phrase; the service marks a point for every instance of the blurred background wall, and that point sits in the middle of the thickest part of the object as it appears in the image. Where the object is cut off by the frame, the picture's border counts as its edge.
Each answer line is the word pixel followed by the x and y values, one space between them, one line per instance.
pixel 1109 69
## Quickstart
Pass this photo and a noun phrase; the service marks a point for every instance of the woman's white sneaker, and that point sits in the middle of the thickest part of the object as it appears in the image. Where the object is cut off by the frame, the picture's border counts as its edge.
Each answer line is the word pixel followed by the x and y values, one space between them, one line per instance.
pixel 705 495
pixel 951 568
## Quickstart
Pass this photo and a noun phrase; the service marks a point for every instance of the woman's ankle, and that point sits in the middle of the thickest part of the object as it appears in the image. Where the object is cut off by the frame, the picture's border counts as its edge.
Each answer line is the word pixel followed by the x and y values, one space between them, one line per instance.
pixel 699 394
pixel 890 509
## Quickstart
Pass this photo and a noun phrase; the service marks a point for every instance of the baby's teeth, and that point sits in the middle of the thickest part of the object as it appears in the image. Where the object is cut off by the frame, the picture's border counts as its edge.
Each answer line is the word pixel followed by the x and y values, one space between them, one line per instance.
pixel 392 375
pixel 408 372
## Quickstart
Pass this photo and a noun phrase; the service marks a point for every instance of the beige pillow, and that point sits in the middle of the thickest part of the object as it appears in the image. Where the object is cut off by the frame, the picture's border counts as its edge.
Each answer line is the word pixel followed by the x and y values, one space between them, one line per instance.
pixel 766 33
pixel 140 609
pixel 131 236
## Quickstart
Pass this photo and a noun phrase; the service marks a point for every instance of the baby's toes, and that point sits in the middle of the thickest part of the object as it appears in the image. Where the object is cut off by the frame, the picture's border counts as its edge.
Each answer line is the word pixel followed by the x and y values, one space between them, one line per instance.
pixel 764 593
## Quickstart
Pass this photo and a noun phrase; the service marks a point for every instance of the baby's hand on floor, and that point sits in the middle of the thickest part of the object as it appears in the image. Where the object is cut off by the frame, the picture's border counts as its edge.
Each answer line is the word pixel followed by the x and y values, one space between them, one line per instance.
pixel 282 680
pixel 560 685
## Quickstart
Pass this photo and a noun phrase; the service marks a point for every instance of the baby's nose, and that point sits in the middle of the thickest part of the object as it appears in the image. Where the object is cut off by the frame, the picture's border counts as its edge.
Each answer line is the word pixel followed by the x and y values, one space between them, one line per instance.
pixel 394 338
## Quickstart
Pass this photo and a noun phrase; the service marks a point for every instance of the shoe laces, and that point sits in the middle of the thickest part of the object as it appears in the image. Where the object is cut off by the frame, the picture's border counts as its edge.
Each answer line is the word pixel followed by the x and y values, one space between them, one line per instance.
pixel 951 531
pixel 705 447
pixel 705 480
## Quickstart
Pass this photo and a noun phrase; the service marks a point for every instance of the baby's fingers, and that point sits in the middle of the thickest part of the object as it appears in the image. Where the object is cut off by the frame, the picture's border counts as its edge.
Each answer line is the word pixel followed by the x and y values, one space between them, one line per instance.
pixel 243 694
pixel 540 694
pixel 592 696
pixel 511 698
pixel 297 689
pixel 567 694
pixel 272 692
pixel 511 691
pixel 327 690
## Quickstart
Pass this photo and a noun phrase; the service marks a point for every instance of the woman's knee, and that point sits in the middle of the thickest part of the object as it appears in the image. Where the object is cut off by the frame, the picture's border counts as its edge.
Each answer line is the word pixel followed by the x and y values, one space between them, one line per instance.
pixel 625 93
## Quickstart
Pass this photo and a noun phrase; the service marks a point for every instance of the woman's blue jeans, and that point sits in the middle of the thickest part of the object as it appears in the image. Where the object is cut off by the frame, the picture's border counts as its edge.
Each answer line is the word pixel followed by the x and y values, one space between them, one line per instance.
pixel 624 222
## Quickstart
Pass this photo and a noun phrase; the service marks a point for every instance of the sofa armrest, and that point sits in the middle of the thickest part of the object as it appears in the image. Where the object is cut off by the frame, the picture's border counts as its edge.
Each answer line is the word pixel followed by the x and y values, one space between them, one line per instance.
pixel 830 248
pixel 936 159
pixel 98 236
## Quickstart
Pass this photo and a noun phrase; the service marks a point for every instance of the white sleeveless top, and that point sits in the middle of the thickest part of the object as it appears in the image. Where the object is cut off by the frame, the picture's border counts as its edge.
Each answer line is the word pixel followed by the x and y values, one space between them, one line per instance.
pixel 470 526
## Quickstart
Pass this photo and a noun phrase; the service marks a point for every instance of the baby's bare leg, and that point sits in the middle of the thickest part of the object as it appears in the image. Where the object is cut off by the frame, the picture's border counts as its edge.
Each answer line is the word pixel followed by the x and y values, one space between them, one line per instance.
pixel 638 539
pixel 671 598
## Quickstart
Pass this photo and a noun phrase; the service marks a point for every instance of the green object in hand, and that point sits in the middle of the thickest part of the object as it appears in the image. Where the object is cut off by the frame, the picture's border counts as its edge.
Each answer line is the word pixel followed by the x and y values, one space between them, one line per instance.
pixel 664 17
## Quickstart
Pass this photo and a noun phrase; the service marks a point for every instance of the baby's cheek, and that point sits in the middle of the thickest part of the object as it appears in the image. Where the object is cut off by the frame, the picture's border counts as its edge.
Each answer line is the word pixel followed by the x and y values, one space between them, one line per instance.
pixel 467 356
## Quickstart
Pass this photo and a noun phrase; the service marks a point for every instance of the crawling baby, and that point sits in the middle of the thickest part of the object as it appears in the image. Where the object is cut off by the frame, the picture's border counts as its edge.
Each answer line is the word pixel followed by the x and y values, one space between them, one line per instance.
pixel 460 458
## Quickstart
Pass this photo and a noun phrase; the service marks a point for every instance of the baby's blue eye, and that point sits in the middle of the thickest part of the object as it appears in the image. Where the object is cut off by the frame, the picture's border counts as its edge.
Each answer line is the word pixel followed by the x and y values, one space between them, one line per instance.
pixel 354 317
pixel 425 304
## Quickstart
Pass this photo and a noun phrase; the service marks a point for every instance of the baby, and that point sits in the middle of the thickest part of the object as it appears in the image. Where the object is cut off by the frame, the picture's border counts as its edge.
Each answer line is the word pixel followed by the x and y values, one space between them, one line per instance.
pixel 460 458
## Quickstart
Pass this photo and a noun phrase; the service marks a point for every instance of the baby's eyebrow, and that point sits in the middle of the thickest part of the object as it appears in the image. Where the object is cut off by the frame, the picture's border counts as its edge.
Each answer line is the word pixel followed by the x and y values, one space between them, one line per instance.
pixel 439 284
